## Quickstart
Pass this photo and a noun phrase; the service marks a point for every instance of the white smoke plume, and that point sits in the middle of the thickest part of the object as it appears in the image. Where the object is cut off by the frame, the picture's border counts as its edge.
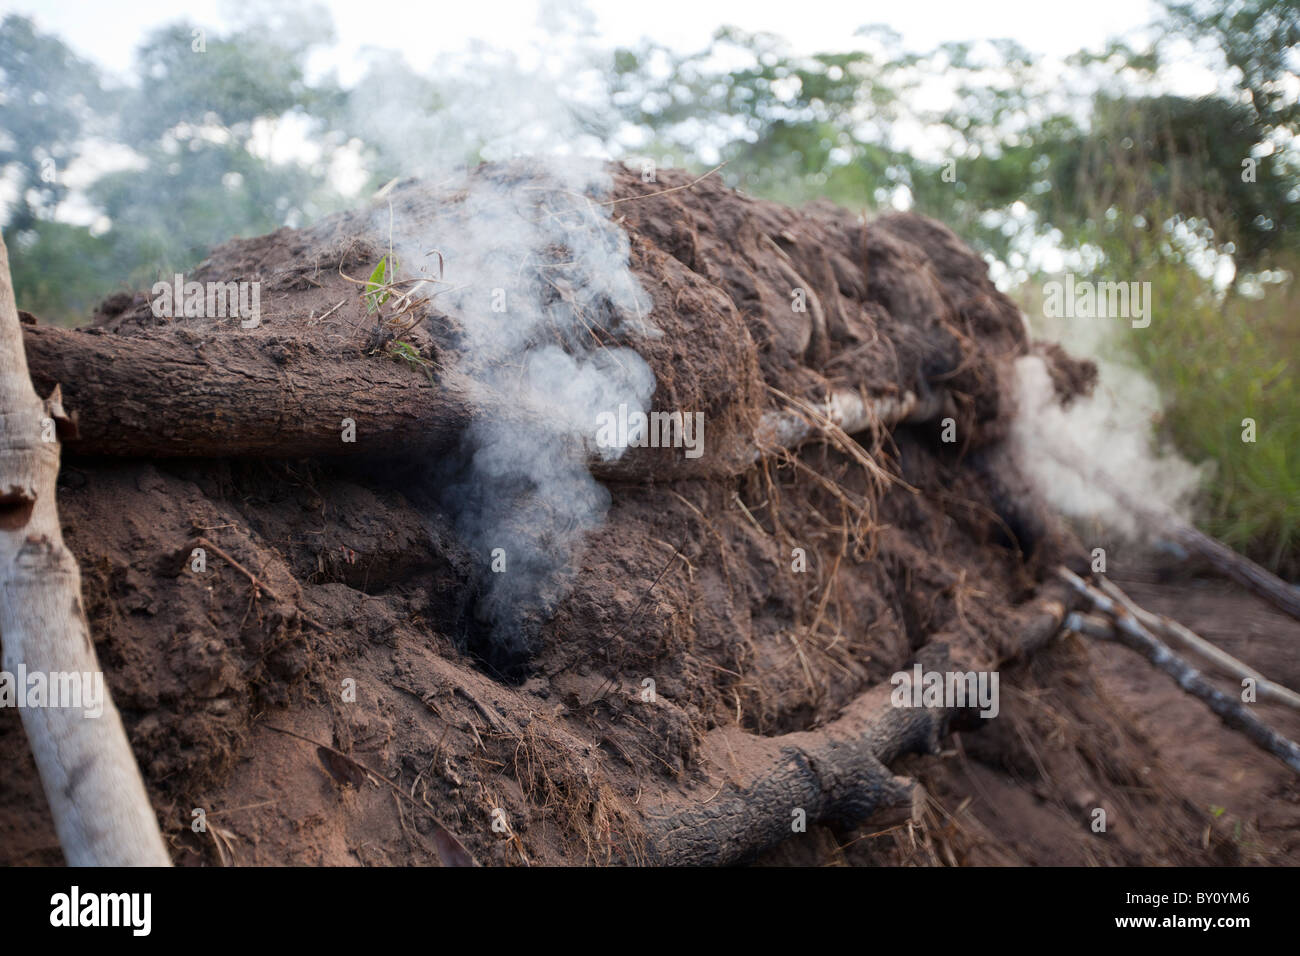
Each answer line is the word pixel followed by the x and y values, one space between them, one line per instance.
pixel 487 103
pixel 535 273
pixel 535 277
pixel 1075 455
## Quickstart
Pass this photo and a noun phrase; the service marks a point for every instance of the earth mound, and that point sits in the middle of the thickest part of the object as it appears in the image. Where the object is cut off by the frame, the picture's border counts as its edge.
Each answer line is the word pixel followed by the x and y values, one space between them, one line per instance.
pixel 332 683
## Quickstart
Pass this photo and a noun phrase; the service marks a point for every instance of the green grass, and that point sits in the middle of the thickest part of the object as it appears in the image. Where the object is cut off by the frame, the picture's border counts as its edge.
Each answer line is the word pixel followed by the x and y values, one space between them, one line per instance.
pixel 408 353
pixel 1216 364
pixel 1217 361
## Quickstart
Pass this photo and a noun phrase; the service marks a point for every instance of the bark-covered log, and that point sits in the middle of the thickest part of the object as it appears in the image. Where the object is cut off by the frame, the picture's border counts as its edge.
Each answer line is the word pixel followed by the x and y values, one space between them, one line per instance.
pixel 837 774
pixel 1238 567
pixel 218 393
pixel 179 392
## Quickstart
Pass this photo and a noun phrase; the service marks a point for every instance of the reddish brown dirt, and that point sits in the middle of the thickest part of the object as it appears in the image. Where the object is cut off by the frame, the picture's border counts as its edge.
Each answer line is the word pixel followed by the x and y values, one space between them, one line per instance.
pixel 689 582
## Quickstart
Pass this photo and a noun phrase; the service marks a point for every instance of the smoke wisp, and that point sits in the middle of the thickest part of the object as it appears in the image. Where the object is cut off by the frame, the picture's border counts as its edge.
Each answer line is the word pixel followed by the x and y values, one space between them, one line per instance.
pixel 1098 458
pixel 536 278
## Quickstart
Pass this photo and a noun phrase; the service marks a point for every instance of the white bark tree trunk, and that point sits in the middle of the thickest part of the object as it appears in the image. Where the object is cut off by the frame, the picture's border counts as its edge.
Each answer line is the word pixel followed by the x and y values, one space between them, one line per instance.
pixel 95 792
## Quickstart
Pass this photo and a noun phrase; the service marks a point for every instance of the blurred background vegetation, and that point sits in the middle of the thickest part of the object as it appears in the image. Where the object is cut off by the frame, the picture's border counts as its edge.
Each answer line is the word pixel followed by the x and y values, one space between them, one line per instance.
pixel 1099 170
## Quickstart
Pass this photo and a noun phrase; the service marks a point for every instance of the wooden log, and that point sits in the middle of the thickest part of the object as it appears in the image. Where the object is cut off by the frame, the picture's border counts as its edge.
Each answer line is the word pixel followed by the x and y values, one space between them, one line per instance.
pixel 1238 567
pixel 179 392
pixel 96 796
pixel 837 774
pixel 850 412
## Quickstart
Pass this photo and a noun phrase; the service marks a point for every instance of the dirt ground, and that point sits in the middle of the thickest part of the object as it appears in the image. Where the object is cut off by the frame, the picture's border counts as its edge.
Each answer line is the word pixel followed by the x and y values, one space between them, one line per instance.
pixel 336 625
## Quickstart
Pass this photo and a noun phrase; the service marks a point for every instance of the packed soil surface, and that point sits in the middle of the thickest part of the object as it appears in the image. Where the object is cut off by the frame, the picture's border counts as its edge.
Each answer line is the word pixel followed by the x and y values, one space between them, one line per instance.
pixel 337 608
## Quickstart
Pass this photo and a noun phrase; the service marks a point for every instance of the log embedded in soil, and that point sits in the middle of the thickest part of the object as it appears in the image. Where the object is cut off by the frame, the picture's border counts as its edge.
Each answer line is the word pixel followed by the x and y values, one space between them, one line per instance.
pixel 837 774
pixel 850 412
pixel 176 392
pixel 1238 567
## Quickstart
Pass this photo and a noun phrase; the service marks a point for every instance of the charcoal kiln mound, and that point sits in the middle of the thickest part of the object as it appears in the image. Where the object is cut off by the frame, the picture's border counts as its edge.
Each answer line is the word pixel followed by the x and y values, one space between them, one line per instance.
pixel 704 646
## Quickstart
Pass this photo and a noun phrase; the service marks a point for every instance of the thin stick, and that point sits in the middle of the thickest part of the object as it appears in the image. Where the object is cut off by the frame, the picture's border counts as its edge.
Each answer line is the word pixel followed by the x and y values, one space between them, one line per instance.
pixel 663 192
pixel 1170 628
pixel 258 584
pixel 1132 634
pixel 97 798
